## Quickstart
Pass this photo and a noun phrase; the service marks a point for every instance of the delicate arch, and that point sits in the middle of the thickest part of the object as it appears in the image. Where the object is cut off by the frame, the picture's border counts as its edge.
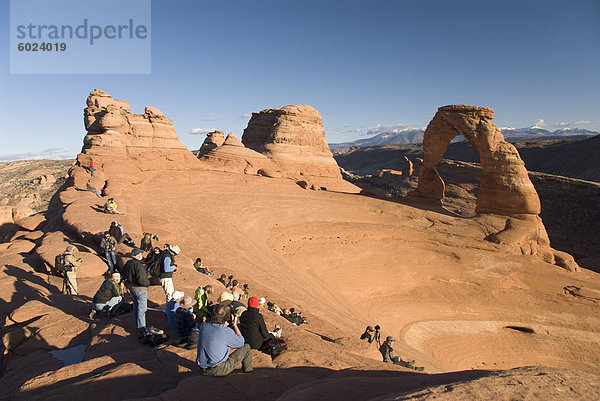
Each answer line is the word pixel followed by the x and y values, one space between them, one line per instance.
pixel 505 187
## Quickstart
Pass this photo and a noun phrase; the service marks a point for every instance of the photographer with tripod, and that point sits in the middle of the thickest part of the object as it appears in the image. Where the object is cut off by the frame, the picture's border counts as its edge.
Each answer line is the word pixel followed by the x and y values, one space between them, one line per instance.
pixel 68 270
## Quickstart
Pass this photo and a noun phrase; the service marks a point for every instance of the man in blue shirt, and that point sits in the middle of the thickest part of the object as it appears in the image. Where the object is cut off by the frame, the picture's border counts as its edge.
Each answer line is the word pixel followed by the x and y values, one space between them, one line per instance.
pixel 215 342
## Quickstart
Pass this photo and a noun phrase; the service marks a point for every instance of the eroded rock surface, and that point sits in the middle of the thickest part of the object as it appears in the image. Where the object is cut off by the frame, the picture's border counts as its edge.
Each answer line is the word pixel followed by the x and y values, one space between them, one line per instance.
pixel 293 137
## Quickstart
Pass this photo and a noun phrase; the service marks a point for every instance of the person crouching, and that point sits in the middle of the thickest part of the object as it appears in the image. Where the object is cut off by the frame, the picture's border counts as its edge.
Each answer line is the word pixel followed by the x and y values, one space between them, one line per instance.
pixel 108 296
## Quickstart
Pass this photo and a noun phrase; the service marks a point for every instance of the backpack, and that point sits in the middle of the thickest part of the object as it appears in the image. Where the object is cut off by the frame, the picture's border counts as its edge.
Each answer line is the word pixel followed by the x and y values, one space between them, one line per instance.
pixel 156 267
pixel 60 266
pixel 154 337
pixel 273 347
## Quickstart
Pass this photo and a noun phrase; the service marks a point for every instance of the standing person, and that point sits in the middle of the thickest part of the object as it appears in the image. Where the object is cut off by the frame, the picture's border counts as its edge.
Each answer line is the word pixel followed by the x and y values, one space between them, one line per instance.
pixel 216 340
pixel 137 281
pixel 172 307
pixel 108 245
pixel 168 268
pixel 185 321
pixel 388 355
pixel 201 298
pixel 72 268
pixel 252 325
pixel 108 296
pixel 92 169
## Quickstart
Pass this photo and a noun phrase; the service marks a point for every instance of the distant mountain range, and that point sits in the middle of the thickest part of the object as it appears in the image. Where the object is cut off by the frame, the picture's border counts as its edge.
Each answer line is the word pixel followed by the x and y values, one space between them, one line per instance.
pixel 410 136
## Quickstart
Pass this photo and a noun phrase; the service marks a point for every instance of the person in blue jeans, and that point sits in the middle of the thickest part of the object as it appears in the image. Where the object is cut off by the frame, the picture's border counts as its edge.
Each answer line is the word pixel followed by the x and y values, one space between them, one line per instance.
pixel 137 282
pixel 108 245
pixel 216 340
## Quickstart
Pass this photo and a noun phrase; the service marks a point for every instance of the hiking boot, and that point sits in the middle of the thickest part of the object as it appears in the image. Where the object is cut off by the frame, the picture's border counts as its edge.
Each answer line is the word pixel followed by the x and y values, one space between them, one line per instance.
pixel 92 314
pixel 419 368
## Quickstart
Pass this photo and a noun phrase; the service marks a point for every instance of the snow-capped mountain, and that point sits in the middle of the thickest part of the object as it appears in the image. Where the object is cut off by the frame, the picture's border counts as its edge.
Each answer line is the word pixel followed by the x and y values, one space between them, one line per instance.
pixel 408 136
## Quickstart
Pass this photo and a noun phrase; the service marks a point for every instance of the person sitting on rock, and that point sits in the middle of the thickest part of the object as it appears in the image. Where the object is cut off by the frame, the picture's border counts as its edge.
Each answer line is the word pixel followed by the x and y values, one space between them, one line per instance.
pixel 252 325
pixel 125 238
pixel 223 280
pixel 234 287
pixel 215 342
pixel 185 321
pixel 146 243
pixel 199 267
pixel 172 307
pixel 108 297
pixel 388 355
pixel 152 256
pixel 368 335
pixel 274 308
pixel 111 206
pixel 237 306
pixel 108 244
pixel 202 304
pixel 93 189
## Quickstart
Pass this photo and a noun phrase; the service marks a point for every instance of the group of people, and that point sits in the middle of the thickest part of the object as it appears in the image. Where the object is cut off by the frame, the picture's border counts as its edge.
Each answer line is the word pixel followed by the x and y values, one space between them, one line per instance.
pixel 372 334
pixel 223 333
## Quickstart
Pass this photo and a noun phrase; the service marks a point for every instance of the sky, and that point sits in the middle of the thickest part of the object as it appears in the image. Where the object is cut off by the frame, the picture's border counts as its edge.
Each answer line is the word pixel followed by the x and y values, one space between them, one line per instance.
pixel 361 64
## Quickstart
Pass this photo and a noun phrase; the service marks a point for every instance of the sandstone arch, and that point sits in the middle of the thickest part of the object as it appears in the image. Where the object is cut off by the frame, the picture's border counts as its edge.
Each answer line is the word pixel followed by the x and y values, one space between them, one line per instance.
pixel 505 187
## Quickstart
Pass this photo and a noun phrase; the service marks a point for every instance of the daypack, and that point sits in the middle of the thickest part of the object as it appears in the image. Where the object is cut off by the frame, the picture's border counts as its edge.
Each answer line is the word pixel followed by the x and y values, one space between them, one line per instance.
pixel 273 347
pixel 60 266
pixel 156 267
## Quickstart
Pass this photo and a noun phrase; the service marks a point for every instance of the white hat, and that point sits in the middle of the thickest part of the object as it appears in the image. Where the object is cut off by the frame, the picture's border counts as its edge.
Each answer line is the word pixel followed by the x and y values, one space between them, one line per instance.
pixel 262 301
pixel 175 249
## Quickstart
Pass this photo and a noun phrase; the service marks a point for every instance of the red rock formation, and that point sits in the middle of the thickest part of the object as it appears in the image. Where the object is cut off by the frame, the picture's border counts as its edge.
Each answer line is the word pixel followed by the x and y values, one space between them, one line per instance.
pixel 233 156
pixel 213 140
pixel 505 188
pixel 294 138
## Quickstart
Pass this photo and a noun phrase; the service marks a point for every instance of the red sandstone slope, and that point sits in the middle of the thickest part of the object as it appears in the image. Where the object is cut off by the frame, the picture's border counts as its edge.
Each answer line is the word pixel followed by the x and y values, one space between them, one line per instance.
pixel 454 300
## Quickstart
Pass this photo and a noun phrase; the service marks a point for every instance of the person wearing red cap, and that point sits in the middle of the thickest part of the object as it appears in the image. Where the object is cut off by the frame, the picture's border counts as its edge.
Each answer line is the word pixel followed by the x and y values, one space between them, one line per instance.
pixel 252 325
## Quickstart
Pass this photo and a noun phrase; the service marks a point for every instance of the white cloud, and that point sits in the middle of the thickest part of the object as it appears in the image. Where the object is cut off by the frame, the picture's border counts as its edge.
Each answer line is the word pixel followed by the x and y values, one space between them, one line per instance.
pixel 201 131
pixel 246 115
pixel 540 124
pixel 52 153
pixel 210 119
pixel 571 123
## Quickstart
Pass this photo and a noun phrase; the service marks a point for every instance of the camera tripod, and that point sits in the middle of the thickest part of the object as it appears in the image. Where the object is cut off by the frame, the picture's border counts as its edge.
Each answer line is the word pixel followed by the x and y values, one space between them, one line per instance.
pixel 67 286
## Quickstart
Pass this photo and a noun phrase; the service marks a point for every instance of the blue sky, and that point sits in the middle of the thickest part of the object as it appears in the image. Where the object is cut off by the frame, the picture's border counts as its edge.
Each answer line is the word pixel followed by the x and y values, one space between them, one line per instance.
pixel 360 63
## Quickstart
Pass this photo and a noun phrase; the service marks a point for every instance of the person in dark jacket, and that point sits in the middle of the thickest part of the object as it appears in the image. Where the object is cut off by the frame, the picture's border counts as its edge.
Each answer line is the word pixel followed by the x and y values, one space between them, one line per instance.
pixel 108 244
pixel 252 325
pixel 108 296
pixel 136 279
pixel 185 322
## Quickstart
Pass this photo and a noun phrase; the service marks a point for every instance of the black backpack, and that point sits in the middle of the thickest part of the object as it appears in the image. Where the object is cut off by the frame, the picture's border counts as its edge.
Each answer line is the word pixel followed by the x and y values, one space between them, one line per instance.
pixel 273 347
pixel 60 266
pixel 156 266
